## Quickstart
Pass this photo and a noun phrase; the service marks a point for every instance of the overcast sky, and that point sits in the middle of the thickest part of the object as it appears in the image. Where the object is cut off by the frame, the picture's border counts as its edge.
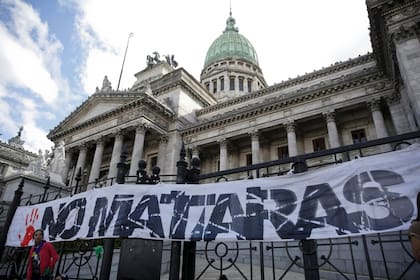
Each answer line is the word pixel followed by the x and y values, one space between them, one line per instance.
pixel 53 54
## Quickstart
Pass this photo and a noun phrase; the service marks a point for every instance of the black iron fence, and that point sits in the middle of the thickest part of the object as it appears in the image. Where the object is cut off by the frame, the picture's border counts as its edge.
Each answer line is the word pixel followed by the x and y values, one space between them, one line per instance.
pixel 378 256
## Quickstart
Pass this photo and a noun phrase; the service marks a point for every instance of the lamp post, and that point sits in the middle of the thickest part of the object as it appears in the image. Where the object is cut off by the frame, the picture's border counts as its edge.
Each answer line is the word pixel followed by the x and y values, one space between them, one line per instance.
pixel 125 54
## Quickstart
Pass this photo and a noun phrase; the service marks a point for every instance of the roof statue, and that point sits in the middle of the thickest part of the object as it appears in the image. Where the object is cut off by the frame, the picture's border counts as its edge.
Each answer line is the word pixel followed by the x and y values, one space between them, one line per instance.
pixel 106 85
pixel 170 59
pixel 48 164
pixel 16 141
pixel 37 166
pixel 153 59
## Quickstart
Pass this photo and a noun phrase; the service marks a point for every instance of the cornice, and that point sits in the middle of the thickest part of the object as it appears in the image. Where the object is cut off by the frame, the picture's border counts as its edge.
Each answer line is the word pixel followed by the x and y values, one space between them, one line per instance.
pixel 281 102
pixel 336 67
pixel 397 6
pixel 403 21
pixel 380 16
pixel 145 99
pixel 389 6
pixel 406 32
pixel 16 155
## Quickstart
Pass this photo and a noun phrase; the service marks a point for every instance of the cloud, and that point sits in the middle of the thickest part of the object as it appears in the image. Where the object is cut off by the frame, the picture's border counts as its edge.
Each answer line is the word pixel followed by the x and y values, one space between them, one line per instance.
pixel 24 68
pixel 30 54
pixel 29 114
pixel 32 88
pixel 289 37
pixel 33 135
pixel 7 123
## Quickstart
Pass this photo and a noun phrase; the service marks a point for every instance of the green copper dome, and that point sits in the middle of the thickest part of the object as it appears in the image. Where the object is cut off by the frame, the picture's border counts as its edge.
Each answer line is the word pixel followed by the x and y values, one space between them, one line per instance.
pixel 231 44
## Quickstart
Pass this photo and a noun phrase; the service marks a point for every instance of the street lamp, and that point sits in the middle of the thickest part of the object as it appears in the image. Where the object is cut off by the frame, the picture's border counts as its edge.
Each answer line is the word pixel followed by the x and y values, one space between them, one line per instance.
pixel 125 54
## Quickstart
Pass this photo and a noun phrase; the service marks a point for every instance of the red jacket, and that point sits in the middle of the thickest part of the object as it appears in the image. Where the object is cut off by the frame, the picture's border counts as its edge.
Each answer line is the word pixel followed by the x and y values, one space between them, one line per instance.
pixel 48 257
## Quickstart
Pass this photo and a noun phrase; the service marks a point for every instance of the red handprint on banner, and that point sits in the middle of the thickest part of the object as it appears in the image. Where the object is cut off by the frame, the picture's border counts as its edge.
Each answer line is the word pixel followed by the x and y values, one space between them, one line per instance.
pixel 29 223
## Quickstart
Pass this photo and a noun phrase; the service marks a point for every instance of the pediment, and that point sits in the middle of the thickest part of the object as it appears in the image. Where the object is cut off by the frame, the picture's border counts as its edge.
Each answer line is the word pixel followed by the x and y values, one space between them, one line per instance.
pixel 93 107
pixel 94 110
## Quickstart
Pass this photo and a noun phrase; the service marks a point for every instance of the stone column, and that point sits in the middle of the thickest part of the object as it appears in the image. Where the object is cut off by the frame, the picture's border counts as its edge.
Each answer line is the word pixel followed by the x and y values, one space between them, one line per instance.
pixel 398 115
pixel 332 130
pixel 254 85
pixel 407 49
pixel 291 139
pixel 195 152
pixel 67 162
pixel 97 161
pixel 378 119
pixel 137 148
pixel 116 153
pixel 81 160
pixel 163 142
pixel 255 147
pixel 223 154
pixel 236 84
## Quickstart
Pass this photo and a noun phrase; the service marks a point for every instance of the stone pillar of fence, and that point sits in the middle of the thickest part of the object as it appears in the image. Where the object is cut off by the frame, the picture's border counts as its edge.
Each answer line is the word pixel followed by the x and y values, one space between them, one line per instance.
pixel 10 215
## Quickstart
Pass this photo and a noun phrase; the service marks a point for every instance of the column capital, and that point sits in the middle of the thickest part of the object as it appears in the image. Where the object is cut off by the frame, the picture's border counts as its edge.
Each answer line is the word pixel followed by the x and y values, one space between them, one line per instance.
pixel 187 140
pixel 117 133
pixel 374 105
pixel 290 126
pixel 83 147
pixel 142 127
pixel 223 141
pixel 163 138
pixel 404 32
pixel 100 140
pixel 254 134
pixel 393 99
pixel 329 116
pixel 195 150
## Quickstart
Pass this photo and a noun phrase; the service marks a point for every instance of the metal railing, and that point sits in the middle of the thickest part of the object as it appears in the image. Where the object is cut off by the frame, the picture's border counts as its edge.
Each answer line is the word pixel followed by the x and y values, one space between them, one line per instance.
pixel 93 259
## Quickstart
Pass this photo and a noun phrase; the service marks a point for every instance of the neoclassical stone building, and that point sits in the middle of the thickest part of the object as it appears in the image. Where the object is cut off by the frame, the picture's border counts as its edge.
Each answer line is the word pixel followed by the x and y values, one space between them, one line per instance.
pixel 232 118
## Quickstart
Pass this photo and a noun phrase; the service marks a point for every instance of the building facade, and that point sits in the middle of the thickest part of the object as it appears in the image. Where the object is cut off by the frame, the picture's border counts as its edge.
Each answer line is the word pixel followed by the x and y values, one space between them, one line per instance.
pixel 232 118
pixel 13 157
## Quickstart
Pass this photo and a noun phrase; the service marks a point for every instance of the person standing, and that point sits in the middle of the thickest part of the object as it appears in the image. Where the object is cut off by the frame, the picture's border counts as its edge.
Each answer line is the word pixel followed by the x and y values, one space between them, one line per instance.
pixel 42 258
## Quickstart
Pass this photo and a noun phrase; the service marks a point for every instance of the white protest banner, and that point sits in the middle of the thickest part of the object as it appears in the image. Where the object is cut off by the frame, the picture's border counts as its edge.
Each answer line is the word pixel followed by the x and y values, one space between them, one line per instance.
pixel 367 195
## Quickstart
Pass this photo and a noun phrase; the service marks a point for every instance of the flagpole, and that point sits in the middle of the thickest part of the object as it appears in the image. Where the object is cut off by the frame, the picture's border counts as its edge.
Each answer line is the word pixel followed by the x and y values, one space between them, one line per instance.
pixel 125 54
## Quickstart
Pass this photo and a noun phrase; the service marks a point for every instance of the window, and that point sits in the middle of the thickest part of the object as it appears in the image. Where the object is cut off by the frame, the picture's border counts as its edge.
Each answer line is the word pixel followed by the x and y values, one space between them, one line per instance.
pixel 319 144
pixel 249 85
pixel 208 86
pixel 222 84
pixel 214 86
pixel 283 152
pixel 153 161
pixel 249 159
pixel 241 84
pixel 232 83
pixel 358 136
